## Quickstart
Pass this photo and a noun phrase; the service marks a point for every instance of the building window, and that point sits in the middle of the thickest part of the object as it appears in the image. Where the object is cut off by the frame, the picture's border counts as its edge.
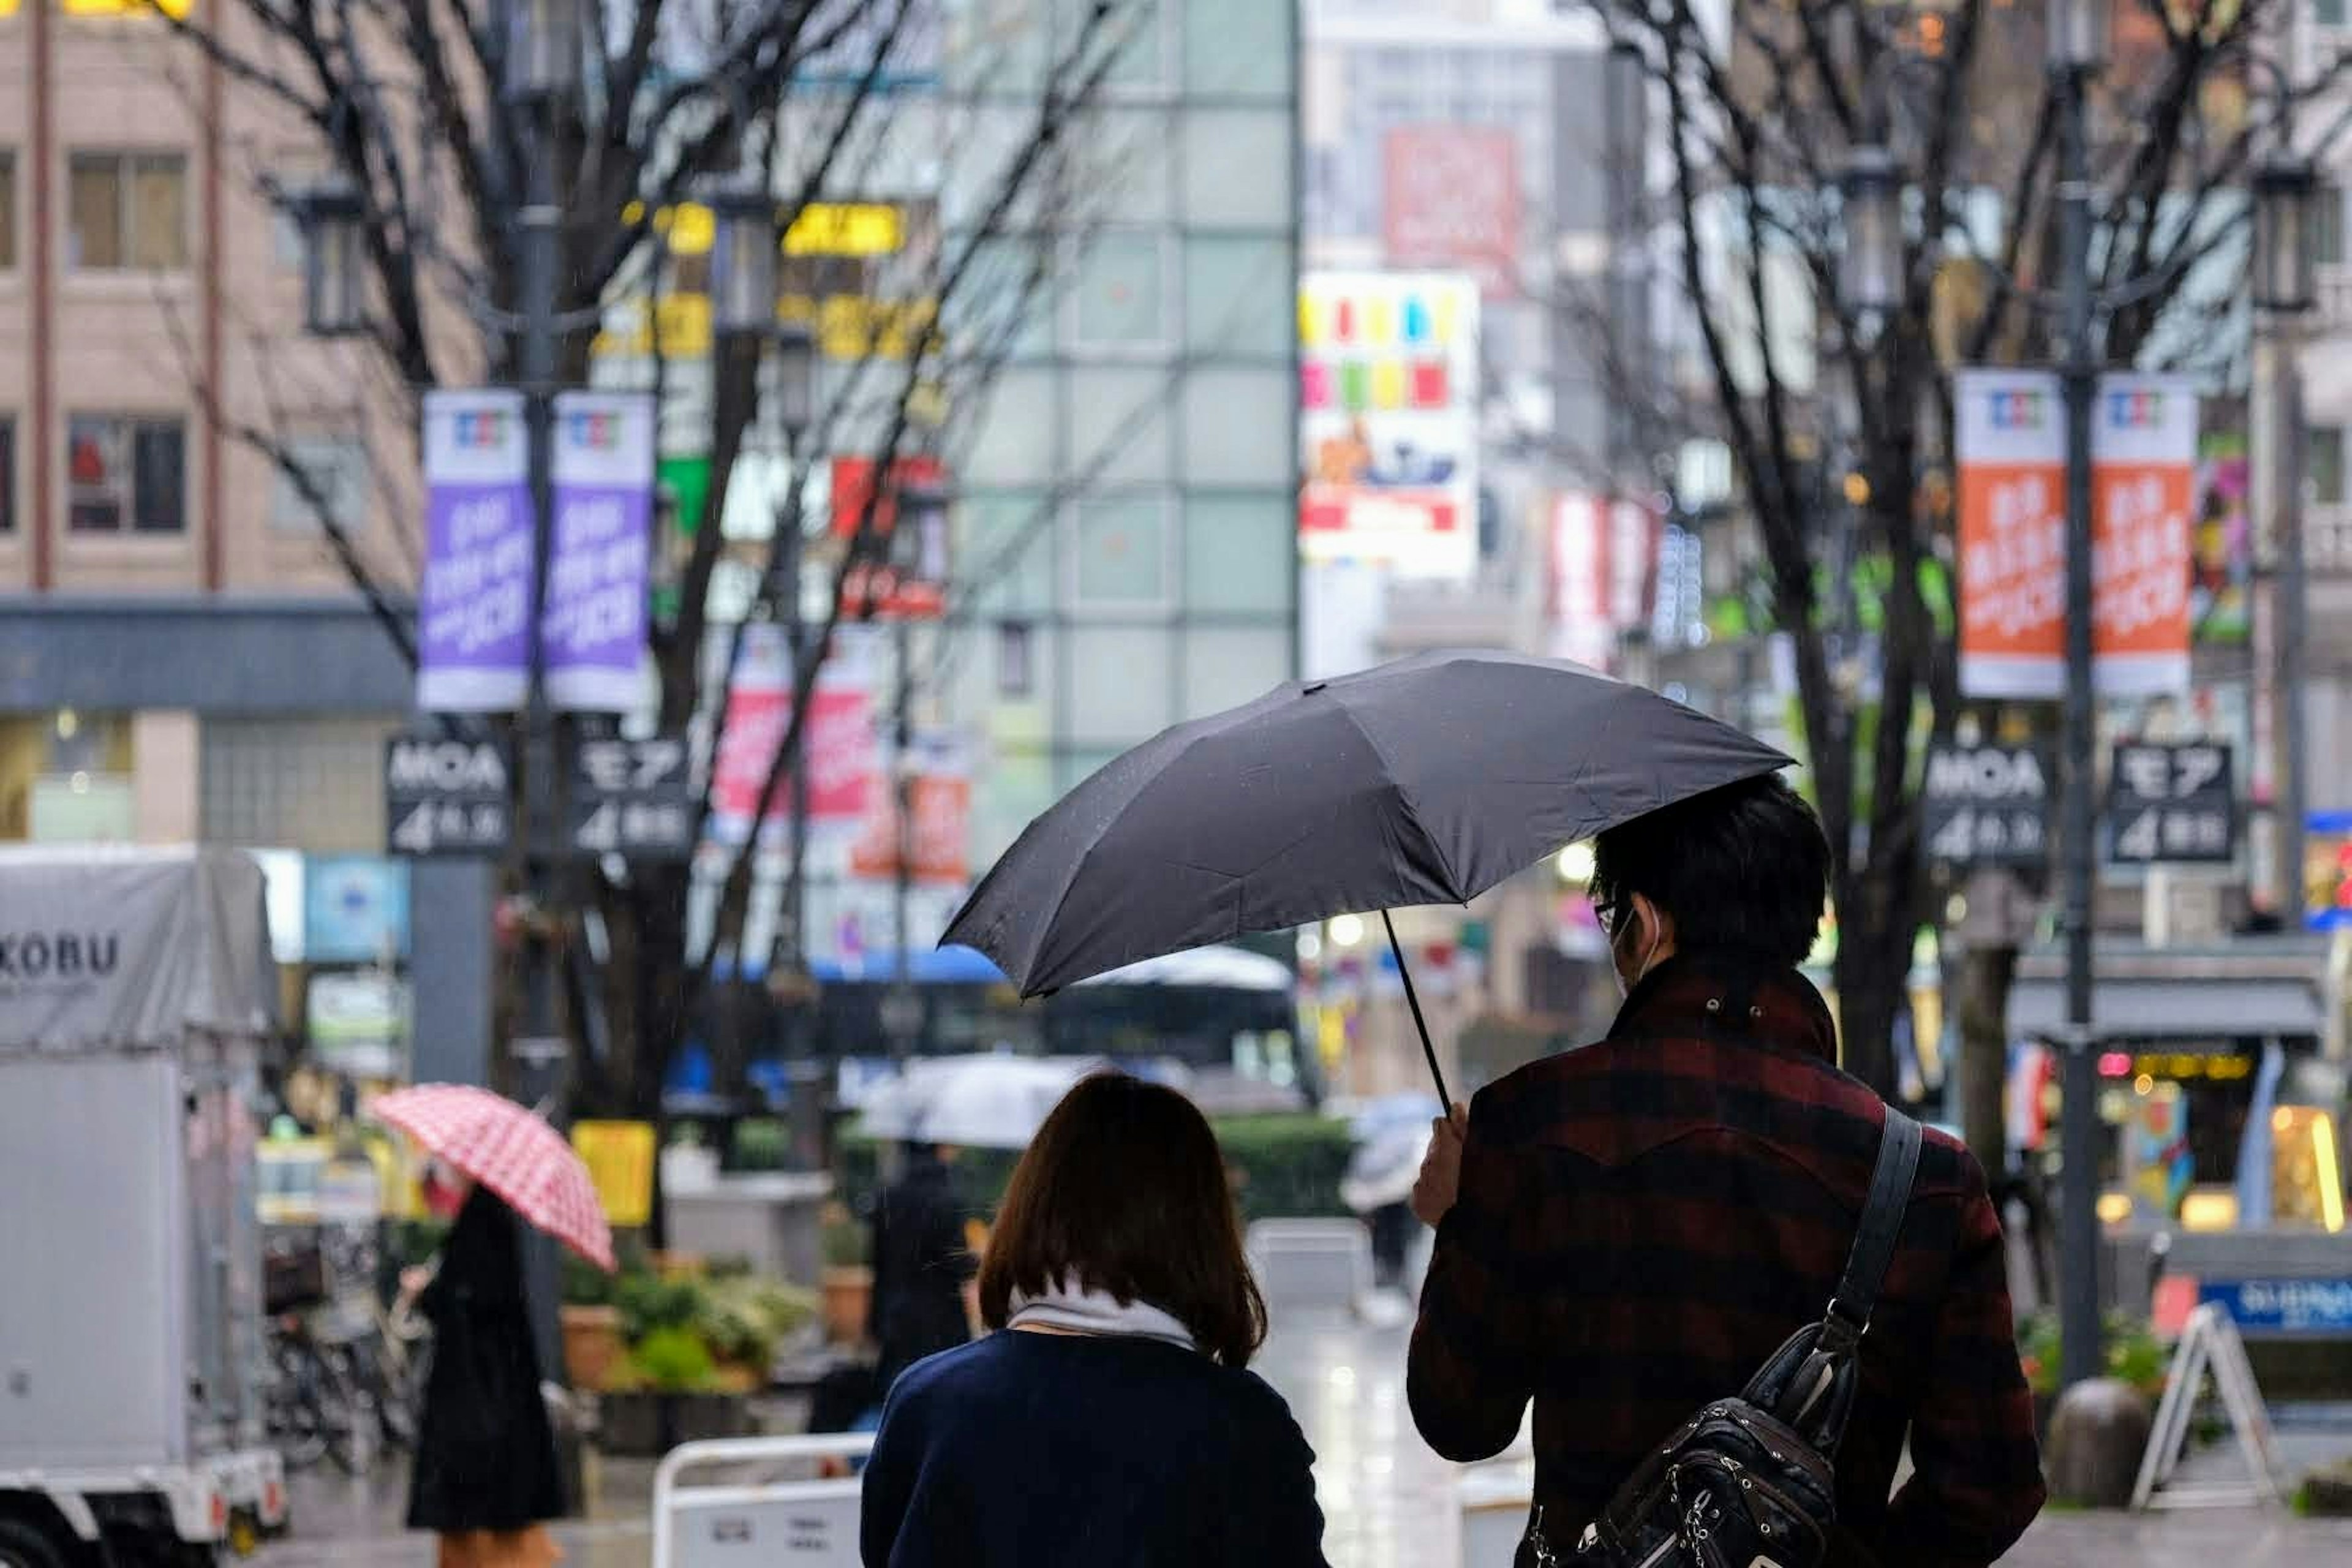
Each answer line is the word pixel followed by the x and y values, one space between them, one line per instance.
pixel 1122 554
pixel 125 475
pixel 7 209
pixel 337 476
pixel 2323 470
pixel 7 474
pixel 2327 12
pixel 2327 219
pixel 1122 293
pixel 129 212
pixel 1016 675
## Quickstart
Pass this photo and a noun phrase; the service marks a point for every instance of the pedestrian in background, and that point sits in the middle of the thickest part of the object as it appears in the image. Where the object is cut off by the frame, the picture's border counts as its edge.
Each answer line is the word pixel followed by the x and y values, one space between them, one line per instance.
pixel 486 1477
pixel 1627 1232
pixel 921 1265
pixel 1112 1421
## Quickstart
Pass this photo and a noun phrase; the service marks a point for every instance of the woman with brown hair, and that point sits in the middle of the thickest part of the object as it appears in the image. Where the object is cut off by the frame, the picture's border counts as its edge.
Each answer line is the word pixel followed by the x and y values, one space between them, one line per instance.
pixel 1111 1421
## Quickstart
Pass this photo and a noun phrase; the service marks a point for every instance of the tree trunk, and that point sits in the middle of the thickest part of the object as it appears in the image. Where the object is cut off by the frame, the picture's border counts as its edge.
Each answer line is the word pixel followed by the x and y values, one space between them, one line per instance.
pixel 1984 974
pixel 1871 974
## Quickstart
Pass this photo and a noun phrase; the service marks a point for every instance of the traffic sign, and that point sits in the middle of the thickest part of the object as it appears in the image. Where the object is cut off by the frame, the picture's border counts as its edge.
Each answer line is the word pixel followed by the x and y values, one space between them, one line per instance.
pixel 1987 805
pixel 2171 803
pixel 632 798
pixel 448 798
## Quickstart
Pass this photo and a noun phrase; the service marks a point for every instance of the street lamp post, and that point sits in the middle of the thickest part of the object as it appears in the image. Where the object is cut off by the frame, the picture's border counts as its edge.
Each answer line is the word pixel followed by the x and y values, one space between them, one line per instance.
pixel 796 395
pixel 2285 288
pixel 1874 283
pixel 2077 49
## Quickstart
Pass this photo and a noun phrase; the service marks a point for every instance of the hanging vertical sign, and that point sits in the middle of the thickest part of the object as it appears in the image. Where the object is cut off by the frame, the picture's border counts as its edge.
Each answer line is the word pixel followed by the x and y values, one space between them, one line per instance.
pixel 2143 492
pixel 839 745
pixel 599 571
pixel 937 776
pixel 473 615
pixel 2010 430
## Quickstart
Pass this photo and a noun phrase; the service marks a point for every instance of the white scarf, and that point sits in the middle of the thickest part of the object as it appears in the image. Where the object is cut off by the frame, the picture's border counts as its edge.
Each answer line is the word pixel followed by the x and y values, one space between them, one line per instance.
pixel 1076 1310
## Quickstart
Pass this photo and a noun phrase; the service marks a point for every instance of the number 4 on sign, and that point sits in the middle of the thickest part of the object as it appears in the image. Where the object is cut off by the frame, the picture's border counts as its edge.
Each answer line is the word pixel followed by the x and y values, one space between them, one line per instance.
pixel 1956 840
pixel 414 834
pixel 601 834
pixel 2140 841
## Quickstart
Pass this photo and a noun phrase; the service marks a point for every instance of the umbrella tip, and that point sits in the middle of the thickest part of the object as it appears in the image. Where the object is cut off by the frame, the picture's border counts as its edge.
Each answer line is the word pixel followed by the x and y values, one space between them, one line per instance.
pixel 1313 687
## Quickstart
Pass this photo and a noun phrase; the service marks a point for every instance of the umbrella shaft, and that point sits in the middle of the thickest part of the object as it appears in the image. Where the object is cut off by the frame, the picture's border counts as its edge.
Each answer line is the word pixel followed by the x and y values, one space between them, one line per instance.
pixel 1413 1000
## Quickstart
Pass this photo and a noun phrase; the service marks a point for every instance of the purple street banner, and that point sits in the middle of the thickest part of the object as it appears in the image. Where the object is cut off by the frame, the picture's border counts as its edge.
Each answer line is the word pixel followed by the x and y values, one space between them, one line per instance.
pixel 599 568
pixel 473 617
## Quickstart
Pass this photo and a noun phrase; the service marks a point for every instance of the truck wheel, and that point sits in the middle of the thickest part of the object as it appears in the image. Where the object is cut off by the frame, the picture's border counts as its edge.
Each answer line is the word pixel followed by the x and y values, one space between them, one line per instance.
pixel 28 1545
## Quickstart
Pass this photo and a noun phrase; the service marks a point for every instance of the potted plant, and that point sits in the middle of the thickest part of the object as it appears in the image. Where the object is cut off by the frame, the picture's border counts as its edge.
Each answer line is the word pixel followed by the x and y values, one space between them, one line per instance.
pixel 848 1283
pixel 595 1343
pixel 2133 1355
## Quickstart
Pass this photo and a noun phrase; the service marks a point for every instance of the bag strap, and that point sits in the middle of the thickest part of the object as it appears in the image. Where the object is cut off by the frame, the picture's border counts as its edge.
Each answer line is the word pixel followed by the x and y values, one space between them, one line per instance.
pixel 1882 1223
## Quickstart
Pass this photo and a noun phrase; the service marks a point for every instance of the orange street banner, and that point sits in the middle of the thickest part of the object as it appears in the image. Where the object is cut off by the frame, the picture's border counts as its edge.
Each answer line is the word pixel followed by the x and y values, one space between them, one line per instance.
pixel 2143 495
pixel 2010 440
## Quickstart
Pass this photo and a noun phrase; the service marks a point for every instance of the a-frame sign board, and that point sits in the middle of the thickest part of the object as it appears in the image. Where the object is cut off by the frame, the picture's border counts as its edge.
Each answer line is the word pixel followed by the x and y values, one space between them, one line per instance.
pixel 2210 1344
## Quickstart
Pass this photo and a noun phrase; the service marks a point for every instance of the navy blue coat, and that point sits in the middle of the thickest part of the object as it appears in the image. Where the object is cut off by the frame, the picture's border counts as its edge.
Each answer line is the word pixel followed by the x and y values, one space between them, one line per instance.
pixel 1027 1450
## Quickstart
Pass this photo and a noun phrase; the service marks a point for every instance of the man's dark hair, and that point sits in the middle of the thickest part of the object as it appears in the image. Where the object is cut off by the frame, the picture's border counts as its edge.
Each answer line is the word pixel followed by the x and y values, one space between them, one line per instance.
pixel 1743 869
pixel 1124 1191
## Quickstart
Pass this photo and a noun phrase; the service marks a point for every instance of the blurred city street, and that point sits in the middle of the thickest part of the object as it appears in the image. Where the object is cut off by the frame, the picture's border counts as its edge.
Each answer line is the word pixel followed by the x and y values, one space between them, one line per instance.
pixel 1388 1501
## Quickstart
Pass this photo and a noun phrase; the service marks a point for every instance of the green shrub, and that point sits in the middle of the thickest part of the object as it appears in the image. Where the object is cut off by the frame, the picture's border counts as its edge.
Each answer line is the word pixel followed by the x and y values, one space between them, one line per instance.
pixel 674 1361
pixel 1285 1167
pixel 2133 1353
pixel 650 1304
pixel 762 1143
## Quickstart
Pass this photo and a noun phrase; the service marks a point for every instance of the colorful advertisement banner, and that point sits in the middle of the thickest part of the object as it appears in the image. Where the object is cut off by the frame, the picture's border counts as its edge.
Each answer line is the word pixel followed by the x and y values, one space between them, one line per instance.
pixel 839 745
pixel 896 578
pixel 2012 447
pixel 600 572
pixel 472 615
pixel 1451 199
pixel 2142 506
pixel 2221 593
pixel 1604 556
pixel 938 795
pixel 1388 401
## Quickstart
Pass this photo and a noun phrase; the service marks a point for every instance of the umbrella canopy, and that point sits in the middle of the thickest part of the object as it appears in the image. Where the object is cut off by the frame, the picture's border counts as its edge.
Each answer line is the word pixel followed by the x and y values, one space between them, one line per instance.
pixel 977 1101
pixel 511 1150
pixel 1426 780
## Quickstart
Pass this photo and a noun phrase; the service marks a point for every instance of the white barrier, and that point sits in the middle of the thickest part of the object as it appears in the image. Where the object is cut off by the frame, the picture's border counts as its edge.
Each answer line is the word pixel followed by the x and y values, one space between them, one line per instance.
pixel 809 1521
pixel 1311 1262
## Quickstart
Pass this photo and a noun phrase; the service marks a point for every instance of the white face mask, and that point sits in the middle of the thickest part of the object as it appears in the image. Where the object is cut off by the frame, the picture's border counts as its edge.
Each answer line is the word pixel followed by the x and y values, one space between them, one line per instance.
pixel 1625 986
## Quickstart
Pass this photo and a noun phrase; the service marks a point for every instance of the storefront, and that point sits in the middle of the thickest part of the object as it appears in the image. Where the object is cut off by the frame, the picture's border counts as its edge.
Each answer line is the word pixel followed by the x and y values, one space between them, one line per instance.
pixel 2222 1093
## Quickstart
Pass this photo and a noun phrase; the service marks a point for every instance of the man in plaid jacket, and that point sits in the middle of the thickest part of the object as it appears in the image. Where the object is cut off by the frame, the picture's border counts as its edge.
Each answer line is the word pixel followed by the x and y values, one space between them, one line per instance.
pixel 1627 1231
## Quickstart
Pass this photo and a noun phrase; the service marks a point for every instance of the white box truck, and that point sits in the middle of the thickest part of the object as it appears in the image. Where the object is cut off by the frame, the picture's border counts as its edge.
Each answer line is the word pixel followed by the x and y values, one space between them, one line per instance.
pixel 135 994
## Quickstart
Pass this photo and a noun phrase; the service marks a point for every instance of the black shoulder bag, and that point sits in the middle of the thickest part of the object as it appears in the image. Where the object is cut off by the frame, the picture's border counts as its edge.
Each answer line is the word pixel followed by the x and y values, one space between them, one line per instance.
pixel 1751 1482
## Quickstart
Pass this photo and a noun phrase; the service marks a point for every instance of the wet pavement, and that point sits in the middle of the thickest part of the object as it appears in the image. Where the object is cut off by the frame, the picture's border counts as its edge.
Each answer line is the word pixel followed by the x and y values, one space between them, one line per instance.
pixel 1389 1502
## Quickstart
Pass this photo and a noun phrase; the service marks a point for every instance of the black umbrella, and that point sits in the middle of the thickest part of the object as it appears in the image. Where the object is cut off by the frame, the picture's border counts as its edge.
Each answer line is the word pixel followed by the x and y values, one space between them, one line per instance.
pixel 1422 781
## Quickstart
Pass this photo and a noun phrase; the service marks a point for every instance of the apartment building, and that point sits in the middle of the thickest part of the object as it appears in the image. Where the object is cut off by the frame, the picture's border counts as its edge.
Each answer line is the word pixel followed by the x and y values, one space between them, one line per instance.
pixel 181 655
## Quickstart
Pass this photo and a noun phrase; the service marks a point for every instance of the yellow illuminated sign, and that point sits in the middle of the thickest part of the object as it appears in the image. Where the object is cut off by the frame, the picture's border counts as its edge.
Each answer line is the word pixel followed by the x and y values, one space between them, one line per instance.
pixel 175 9
pixel 2183 1065
pixel 620 1160
pixel 846 228
pixel 822 228
pixel 846 327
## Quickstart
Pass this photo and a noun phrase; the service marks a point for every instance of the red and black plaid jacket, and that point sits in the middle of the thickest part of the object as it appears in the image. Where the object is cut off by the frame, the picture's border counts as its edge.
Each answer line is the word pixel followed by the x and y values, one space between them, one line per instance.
pixel 1642 1222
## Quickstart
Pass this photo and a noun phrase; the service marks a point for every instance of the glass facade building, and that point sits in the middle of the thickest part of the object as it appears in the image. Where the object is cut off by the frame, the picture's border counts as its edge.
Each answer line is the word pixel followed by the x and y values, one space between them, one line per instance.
pixel 1127 497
